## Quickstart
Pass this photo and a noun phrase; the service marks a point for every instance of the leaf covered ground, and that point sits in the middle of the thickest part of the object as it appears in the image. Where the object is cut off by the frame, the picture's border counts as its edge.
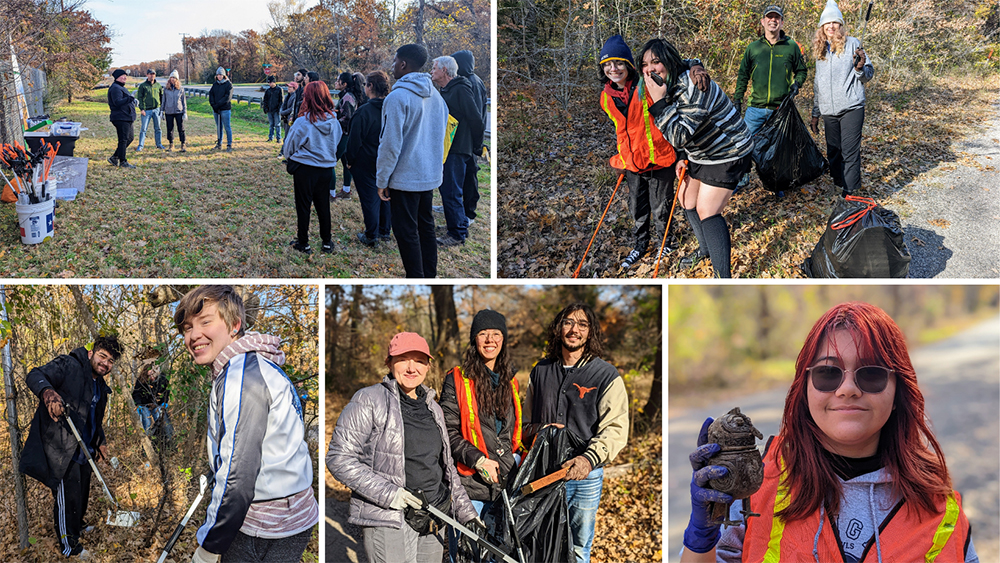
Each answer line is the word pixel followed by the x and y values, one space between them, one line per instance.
pixel 206 213
pixel 554 182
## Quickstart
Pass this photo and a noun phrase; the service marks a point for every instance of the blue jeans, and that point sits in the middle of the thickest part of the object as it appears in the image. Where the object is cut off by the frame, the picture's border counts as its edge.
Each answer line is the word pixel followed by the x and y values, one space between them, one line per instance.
pixel 153 114
pixel 451 194
pixel 222 120
pixel 377 214
pixel 481 509
pixel 148 417
pixel 274 125
pixel 583 497
pixel 755 117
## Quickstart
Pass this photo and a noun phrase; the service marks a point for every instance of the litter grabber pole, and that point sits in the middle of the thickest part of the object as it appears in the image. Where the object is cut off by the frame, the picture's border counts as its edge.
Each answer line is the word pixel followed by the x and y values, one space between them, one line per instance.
pixel 203 482
pixel 472 535
pixel 513 526
pixel 121 518
pixel 577 272
pixel 864 25
pixel 659 255
pixel 543 482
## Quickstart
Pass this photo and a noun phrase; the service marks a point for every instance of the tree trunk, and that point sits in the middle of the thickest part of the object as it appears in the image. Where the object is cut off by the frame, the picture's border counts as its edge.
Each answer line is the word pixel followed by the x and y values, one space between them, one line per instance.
pixel 446 320
pixel 11 131
pixel 418 24
pixel 654 404
pixel 7 370
pixel 333 334
pixel 88 319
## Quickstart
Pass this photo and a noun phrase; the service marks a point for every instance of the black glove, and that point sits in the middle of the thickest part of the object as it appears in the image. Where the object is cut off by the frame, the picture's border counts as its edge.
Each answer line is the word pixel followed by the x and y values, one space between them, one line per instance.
pixel 794 90
pixel 814 125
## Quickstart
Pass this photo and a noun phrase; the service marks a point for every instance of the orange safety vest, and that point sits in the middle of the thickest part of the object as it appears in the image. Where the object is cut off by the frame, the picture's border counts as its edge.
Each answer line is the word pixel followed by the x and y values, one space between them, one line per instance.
pixel 908 536
pixel 468 408
pixel 640 144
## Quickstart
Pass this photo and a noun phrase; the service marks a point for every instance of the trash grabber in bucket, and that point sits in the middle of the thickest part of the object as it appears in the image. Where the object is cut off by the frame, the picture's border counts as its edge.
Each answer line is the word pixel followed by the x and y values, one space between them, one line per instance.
pixel 454 524
pixel 659 255
pixel 123 518
pixel 203 482
pixel 620 178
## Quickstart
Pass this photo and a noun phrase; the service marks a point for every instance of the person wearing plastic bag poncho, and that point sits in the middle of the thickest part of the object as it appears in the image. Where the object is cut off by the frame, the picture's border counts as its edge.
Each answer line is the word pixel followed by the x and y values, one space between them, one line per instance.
pixel 855 473
pixel 262 506
pixel 718 144
pixel 842 70
pixel 390 442
pixel 482 409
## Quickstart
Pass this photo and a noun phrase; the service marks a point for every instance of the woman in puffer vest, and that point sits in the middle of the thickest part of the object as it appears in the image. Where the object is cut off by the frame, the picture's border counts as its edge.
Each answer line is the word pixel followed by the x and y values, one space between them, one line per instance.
pixel 390 444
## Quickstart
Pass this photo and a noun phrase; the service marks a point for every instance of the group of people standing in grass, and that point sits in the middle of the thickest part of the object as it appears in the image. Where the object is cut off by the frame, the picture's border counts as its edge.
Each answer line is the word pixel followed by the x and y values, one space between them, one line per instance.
pixel 672 120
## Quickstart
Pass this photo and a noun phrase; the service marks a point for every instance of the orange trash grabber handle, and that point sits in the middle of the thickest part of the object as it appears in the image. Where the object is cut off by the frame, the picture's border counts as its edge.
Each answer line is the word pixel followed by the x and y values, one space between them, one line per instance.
pixel 680 180
pixel 577 272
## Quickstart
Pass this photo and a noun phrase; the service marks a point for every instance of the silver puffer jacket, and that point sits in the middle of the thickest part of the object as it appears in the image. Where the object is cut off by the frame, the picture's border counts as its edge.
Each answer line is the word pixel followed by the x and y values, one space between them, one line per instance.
pixel 366 454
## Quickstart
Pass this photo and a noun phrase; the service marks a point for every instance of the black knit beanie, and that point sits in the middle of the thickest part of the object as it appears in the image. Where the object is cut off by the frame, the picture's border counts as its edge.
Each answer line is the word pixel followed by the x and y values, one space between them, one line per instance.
pixel 488 319
pixel 118 73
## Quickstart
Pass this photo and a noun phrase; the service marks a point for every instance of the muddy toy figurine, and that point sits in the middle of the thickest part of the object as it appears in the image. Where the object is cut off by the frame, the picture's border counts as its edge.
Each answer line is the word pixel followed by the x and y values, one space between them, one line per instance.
pixel 739 454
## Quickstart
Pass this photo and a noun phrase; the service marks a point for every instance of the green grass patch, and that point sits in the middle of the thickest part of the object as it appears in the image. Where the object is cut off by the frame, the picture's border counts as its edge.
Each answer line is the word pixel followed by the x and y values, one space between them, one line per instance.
pixel 206 213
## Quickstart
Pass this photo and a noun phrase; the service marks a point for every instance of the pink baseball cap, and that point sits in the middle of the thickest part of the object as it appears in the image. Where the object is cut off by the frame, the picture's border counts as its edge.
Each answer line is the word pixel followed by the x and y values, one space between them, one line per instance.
pixel 408 342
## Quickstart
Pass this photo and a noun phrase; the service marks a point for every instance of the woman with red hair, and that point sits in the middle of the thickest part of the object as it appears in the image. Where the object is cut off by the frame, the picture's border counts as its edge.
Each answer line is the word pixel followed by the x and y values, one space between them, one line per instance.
pixel 855 473
pixel 311 147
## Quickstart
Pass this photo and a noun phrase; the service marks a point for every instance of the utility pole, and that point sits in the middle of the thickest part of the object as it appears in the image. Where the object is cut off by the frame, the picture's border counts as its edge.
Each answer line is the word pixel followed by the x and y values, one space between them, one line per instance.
pixel 184 36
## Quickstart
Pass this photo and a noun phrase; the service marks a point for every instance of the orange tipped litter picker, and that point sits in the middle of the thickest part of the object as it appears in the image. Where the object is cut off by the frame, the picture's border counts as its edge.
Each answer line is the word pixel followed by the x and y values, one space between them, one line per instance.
pixel 576 274
pixel 680 180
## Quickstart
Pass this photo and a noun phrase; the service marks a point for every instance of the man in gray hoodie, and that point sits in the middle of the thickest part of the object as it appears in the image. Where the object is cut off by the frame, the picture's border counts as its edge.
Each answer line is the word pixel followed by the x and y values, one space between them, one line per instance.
pixel 411 159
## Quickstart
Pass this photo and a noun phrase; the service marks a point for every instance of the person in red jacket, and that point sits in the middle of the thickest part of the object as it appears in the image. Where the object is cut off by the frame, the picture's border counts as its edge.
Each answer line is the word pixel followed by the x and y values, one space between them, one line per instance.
pixel 644 156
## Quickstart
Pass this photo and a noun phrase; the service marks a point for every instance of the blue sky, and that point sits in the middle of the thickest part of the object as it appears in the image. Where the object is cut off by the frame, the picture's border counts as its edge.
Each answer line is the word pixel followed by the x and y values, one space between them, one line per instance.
pixel 147 31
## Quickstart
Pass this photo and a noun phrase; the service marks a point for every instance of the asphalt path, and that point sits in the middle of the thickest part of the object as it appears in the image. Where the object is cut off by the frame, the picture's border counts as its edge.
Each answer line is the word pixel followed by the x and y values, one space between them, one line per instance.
pixel 343 540
pixel 960 380
pixel 951 215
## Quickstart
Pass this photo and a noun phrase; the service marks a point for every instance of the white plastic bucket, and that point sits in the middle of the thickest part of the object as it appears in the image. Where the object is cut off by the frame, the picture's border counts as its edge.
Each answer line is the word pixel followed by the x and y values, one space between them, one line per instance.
pixel 36 220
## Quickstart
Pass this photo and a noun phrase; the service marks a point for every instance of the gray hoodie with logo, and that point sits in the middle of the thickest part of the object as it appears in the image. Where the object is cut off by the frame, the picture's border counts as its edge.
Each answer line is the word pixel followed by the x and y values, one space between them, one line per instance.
pixel 411 146
pixel 314 144
pixel 839 88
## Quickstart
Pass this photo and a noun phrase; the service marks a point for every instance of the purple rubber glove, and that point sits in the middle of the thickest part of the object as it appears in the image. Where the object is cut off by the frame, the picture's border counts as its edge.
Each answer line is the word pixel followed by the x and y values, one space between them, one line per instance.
pixel 702 534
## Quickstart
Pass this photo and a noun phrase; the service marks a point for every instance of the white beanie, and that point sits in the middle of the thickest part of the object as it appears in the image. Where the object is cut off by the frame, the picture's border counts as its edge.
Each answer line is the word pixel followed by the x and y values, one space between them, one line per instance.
pixel 831 14
pixel 175 74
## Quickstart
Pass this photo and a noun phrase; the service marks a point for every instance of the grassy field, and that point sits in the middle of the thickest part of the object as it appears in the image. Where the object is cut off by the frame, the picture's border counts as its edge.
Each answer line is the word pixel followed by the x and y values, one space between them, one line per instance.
pixel 206 213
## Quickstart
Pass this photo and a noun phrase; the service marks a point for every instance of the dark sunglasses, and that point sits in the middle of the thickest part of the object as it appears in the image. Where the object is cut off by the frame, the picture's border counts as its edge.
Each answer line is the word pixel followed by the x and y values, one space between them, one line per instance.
pixel 870 379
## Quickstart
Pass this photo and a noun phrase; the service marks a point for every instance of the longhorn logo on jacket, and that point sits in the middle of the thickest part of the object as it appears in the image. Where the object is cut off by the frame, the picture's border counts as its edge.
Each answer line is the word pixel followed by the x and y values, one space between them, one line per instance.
pixel 584 390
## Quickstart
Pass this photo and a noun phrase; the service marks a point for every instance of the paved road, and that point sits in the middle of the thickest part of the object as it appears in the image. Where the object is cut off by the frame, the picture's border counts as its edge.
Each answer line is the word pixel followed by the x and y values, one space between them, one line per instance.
pixel 951 215
pixel 960 379
pixel 343 540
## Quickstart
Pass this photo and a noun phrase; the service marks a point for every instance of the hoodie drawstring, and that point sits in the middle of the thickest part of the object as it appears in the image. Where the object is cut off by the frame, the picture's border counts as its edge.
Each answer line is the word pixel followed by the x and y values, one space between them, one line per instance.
pixel 822 512
pixel 871 500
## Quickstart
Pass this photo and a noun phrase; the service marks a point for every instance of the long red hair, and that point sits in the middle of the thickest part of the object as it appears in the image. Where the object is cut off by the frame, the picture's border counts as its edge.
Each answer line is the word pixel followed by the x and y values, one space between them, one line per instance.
pixel 909 451
pixel 316 102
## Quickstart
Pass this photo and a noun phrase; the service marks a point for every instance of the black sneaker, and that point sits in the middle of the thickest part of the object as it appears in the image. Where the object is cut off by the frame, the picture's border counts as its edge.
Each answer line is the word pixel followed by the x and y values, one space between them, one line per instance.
pixel 113 160
pixel 668 248
pixel 449 240
pixel 327 248
pixel 385 237
pixel 694 258
pixel 369 242
pixel 305 248
pixel 217 146
pixel 125 165
pixel 631 259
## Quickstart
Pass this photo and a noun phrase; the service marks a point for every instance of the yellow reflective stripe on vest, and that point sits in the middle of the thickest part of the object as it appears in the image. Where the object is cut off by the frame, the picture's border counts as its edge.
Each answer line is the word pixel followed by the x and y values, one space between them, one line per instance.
pixel 516 441
pixel 605 100
pixel 467 384
pixel 781 502
pixel 944 529
pixel 647 121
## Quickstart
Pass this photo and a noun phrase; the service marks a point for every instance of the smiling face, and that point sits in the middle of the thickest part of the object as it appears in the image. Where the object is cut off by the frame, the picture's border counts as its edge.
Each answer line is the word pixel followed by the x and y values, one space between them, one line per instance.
pixel 651 63
pixel 101 362
pixel 575 330
pixel 410 369
pixel 831 29
pixel 206 334
pixel 488 345
pixel 772 22
pixel 616 71
pixel 849 418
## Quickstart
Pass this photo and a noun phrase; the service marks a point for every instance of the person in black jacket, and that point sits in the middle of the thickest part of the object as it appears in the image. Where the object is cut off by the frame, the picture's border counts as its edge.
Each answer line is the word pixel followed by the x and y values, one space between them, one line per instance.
pixel 70 385
pixel 151 394
pixel 220 97
pixel 470 187
pixel 272 107
pixel 480 403
pixel 457 93
pixel 361 155
pixel 122 105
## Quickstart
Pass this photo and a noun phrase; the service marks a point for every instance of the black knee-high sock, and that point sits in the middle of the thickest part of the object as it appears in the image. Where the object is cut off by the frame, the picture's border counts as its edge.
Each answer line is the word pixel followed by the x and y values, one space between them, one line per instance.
pixel 695 222
pixel 717 236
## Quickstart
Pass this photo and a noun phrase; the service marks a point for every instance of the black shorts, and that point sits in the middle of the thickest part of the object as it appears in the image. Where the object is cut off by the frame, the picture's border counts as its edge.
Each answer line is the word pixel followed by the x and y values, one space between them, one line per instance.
pixel 725 175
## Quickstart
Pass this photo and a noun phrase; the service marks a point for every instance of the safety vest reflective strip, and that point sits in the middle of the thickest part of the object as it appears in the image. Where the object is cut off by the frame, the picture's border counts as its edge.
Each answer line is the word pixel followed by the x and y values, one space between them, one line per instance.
pixel 781 502
pixel 607 103
pixel 660 152
pixel 944 529
pixel 647 120
pixel 468 407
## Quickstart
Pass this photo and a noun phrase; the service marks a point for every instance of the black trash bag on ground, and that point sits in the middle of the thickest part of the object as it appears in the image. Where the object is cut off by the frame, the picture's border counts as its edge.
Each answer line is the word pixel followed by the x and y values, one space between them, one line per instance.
pixel 542 517
pixel 784 152
pixel 862 240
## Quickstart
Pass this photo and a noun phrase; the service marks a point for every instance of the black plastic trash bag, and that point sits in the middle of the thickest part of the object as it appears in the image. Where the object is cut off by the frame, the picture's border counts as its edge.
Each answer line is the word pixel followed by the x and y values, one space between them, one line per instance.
pixel 542 517
pixel 862 240
pixel 784 152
